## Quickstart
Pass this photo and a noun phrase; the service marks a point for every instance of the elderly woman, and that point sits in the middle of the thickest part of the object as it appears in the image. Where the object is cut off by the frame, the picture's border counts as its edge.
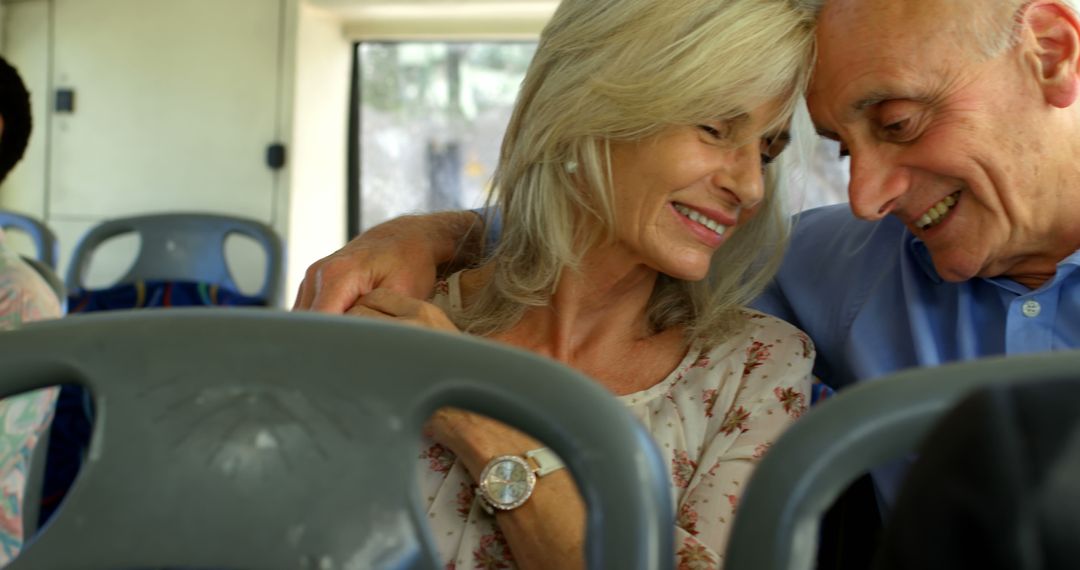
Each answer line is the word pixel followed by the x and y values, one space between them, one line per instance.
pixel 639 214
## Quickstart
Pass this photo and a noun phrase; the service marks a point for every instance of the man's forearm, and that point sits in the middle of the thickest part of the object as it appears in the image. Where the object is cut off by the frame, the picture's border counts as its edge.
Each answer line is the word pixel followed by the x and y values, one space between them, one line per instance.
pixel 457 239
pixel 402 254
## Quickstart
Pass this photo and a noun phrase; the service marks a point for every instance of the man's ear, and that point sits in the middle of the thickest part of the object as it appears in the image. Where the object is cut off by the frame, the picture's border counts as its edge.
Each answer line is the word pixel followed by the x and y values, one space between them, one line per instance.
pixel 1055 32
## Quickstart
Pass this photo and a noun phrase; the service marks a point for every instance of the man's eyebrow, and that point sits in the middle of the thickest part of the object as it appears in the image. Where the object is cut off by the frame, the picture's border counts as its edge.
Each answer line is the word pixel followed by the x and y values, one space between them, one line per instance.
pixel 878 97
pixel 861 105
pixel 871 100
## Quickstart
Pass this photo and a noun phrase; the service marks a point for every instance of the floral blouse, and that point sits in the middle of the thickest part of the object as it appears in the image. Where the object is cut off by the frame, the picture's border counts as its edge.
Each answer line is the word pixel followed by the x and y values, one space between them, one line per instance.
pixel 713 418
pixel 24 297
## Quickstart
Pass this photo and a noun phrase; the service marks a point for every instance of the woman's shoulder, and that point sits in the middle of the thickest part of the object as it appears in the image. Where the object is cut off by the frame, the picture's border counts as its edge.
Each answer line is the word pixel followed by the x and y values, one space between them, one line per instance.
pixel 762 351
pixel 759 323
pixel 24 295
pixel 758 329
pixel 447 293
pixel 762 354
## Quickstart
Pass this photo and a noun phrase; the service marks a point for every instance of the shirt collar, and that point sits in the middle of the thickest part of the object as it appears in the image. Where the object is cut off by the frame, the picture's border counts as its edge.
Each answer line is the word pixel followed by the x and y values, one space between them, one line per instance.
pixel 1073 261
pixel 921 253
pixel 1067 267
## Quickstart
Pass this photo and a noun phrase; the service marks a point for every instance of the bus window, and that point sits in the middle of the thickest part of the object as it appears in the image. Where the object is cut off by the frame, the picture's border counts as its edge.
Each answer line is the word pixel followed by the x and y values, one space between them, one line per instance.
pixel 432 116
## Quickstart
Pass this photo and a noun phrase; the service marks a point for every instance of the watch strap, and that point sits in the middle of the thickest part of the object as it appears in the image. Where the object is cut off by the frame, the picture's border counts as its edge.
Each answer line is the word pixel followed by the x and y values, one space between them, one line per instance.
pixel 545 460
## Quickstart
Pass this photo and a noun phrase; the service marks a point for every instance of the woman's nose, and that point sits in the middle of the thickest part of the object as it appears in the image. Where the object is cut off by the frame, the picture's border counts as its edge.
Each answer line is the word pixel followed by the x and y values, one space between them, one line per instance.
pixel 745 178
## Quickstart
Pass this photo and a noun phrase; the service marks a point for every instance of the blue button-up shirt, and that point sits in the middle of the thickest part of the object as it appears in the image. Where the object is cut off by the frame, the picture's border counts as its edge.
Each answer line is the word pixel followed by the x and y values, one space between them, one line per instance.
pixel 868 295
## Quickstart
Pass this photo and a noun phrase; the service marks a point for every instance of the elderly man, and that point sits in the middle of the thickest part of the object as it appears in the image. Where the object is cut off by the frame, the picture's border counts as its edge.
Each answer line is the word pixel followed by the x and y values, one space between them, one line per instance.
pixel 961 241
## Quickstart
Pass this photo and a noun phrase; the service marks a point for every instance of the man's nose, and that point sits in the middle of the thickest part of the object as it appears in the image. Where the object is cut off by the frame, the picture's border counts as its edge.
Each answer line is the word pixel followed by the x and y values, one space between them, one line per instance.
pixel 876 184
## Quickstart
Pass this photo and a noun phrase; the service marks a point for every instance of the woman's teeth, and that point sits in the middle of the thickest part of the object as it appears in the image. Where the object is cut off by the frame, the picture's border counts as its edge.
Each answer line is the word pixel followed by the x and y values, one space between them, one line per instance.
pixel 701 219
pixel 937 212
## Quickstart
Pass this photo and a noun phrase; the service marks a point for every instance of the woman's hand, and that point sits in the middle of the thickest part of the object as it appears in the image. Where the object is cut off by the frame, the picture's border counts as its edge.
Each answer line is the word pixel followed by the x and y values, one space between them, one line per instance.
pixel 387 304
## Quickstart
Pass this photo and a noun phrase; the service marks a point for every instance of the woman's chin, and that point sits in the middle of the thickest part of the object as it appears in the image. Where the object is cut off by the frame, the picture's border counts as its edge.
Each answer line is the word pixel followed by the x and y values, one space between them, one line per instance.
pixel 687 273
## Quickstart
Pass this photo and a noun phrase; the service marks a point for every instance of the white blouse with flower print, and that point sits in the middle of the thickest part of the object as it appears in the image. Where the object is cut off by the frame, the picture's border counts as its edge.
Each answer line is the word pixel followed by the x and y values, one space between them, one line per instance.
pixel 713 417
pixel 24 297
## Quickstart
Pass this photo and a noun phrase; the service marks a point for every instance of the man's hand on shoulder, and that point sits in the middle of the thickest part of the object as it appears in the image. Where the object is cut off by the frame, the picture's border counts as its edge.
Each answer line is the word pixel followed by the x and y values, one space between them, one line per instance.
pixel 401 255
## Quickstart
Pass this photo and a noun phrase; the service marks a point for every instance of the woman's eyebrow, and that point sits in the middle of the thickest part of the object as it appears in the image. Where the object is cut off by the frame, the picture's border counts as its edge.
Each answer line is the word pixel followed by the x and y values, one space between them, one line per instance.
pixel 736 120
pixel 826 133
pixel 783 136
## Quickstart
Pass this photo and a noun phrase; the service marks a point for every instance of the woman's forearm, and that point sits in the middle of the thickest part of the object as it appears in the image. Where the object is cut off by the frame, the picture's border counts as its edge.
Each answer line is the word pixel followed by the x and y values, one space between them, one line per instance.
pixel 548 531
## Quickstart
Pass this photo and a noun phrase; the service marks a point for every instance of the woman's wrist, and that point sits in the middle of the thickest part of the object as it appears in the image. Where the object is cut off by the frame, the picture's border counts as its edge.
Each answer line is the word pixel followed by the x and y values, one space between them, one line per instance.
pixel 476 439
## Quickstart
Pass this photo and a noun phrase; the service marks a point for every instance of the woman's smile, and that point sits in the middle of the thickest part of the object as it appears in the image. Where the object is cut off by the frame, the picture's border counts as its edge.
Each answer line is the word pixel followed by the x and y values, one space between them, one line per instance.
pixel 708 226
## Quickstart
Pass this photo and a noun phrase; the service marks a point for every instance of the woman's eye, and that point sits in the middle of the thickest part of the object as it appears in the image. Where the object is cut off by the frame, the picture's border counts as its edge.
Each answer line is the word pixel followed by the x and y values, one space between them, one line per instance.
pixel 718 133
pixel 772 146
pixel 766 160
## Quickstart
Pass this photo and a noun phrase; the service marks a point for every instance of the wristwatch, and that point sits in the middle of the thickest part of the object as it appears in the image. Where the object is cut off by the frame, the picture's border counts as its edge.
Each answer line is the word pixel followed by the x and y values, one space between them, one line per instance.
pixel 507 481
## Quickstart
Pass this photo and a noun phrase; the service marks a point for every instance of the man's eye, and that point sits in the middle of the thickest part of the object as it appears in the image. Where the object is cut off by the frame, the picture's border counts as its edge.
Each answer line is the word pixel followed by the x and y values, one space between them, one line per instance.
pixel 898 129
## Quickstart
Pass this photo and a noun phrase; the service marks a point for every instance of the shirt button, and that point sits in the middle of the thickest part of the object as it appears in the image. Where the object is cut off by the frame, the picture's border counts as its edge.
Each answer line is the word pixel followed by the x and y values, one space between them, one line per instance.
pixel 1031 308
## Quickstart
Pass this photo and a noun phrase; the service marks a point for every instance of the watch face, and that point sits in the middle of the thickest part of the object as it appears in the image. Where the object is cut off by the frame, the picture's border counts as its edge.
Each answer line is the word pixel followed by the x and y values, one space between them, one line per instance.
pixel 507 482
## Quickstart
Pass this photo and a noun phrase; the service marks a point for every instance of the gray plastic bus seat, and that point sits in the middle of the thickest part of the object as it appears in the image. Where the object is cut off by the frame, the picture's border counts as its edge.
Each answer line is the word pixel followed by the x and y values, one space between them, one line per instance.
pixel 35 480
pixel 182 247
pixel 253 439
pixel 860 428
pixel 44 239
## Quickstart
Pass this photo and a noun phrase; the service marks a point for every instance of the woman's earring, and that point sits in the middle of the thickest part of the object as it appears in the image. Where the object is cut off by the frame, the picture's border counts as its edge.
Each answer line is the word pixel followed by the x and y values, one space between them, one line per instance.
pixel 571 167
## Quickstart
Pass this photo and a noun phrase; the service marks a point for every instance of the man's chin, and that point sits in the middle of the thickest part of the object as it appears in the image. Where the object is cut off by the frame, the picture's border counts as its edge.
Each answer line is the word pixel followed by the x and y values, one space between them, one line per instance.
pixel 954 270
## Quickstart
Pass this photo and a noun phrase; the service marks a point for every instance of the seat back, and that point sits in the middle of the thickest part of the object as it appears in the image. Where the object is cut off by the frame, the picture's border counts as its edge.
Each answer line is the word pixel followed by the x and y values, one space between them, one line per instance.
pixel 182 247
pixel 245 438
pixel 45 243
pixel 858 429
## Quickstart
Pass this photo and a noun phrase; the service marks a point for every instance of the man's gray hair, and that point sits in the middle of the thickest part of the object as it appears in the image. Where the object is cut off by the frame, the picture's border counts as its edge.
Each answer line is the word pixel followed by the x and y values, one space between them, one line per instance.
pixel 995 24
pixel 997 28
pixel 812 6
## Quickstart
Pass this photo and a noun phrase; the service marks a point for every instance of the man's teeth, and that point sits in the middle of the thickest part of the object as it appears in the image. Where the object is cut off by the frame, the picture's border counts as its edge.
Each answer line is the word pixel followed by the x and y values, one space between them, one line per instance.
pixel 701 219
pixel 937 212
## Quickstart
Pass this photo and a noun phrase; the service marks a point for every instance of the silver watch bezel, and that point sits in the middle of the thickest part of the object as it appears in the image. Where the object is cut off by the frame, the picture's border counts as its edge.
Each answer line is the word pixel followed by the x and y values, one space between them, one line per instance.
pixel 486 481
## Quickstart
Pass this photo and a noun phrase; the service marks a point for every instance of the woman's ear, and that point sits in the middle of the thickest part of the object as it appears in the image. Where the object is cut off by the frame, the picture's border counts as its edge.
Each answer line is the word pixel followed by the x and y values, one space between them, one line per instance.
pixel 1054 35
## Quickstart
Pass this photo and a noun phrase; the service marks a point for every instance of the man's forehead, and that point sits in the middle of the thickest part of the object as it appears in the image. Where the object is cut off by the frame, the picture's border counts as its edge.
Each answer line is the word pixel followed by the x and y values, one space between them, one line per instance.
pixel 894 12
pixel 845 22
pixel 867 55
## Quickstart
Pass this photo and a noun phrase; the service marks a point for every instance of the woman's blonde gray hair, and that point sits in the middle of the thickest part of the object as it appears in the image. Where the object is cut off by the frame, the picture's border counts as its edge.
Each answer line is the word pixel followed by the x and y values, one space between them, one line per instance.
pixel 625 70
